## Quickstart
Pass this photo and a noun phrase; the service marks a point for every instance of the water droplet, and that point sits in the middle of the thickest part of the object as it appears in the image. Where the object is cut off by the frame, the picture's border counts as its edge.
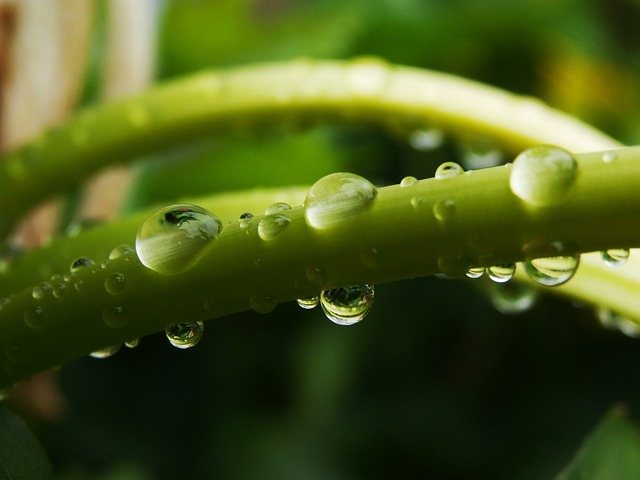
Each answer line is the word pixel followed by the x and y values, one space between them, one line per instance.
pixel 501 273
pixel 543 176
pixel 115 317
pixel 132 343
pixel 185 335
pixel 552 271
pixel 34 317
pixel 337 198
pixel 613 320
pixel 615 257
pixel 173 238
pixel 246 220
pixel 121 251
pixel 444 210
pixel 475 272
pixel 105 352
pixel 408 182
pixel 263 305
pixel 347 305
pixel 512 298
pixel 115 283
pixel 309 302
pixel 609 157
pixel 277 207
pixel 246 215
pixel 272 225
pixel 41 291
pixel 59 289
pixel 315 275
pixel 425 140
pixel 371 256
pixel 448 170
pixel 78 284
pixel 416 201
pixel 80 263
pixel 479 154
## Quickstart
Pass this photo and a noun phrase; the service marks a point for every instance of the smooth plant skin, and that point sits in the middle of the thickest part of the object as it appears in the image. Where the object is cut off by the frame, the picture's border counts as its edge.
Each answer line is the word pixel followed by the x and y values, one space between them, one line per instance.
pixel 399 236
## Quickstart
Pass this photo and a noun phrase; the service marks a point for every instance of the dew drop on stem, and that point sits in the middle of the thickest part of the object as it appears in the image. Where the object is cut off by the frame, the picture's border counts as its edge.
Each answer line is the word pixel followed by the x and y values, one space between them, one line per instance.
pixel 105 352
pixel 615 257
pixel 501 273
pixel 185 335
pixel 347 305
pixel 115 283
pixel 309 303
pixel 448 170
pixel 552 271
pixel 79 264
pixel 475 272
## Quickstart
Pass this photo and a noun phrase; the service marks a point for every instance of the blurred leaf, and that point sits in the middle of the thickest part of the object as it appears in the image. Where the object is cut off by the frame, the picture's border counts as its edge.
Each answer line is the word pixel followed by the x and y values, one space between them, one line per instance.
pixel 21 456
pixel 611 451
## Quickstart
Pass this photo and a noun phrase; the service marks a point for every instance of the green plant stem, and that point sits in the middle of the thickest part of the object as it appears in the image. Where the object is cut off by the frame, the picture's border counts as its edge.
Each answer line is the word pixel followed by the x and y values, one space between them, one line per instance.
pixel 259 97
pixel 396 238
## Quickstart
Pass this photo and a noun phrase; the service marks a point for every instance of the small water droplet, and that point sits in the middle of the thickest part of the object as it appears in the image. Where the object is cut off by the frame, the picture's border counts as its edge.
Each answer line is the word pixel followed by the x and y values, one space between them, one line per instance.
pixel 246 215
pixel 80 263
pixel 59 289
pixel 34 317
pixel 615 257
pixel 347 305
pixel 173 238
pixel 501 273
pixel 426 140
pixel 552 271
pixel 309 302
pixel 262 304
pixel 613 320
pixel 408 182
pixel 41 291
pixel 105 352
pixel 78 284
pixel 316 275
pixel 115 317
pixel 272 225
pixel 478 154
pixel 475 272
pixel 543 176
pixel 444 210
pixel 337 198
pixel 512 298
pixel 132 343
pixel 121 251
pixel 277 207
pixel 448 170
pixel 246 220
pixel 371 256
pixel 609 157
pixel 185 335
pixel 115 283
pixel 416 201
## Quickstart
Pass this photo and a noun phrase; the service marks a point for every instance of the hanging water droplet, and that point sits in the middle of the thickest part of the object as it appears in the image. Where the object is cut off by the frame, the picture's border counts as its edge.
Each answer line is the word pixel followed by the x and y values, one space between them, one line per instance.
pixel 347 305
pixel 615 257
pixel 272 225
pixel 115 283
pixel 173 238
pixel 408 182
pixel 132 343
pixel 448 170
pixel 79 263
pixel 105 352
pixel 121 251
pixel 609 157
pixel 185 335
pixel 475 272
pixel 263 304
pixel 425 140
pixel 512 297
pixel 34 317
pixel 552 271
pixel 444 210
pixel 115 317
pixel 613 320
pixel 543 176
pixel 277 207
pixel 337 198
pixel 41 291
pixel 501 273
pixel 309 302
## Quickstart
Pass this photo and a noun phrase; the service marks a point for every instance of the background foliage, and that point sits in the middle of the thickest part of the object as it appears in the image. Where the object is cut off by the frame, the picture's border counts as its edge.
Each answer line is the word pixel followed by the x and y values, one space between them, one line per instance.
pixel 434 383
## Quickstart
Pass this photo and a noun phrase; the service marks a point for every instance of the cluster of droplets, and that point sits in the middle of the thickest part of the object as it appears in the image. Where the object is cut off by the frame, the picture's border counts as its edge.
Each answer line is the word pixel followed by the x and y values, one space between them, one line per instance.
pixel 343 306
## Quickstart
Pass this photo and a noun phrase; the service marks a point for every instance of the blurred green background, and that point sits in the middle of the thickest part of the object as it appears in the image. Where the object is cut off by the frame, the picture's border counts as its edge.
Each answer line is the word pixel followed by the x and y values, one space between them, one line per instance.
pixel 434 383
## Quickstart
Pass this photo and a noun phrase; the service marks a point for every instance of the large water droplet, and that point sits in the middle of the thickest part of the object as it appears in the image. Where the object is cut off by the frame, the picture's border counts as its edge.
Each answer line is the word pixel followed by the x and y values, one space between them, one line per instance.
pixel 309 302
pixel 80 263
pixel 185 335
pixel 615 257
pixel 115 317
pixel 543 176
pixel 105 352
pixel 115 283
pixel 448 170
pixel 59 289
pixel 34 317
pixel 337 198
pixel 246 220
pixel 501 273
pixel 173 238
pixel 272 225
pixel 347 305
pixel 512 297
pixel 552 271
